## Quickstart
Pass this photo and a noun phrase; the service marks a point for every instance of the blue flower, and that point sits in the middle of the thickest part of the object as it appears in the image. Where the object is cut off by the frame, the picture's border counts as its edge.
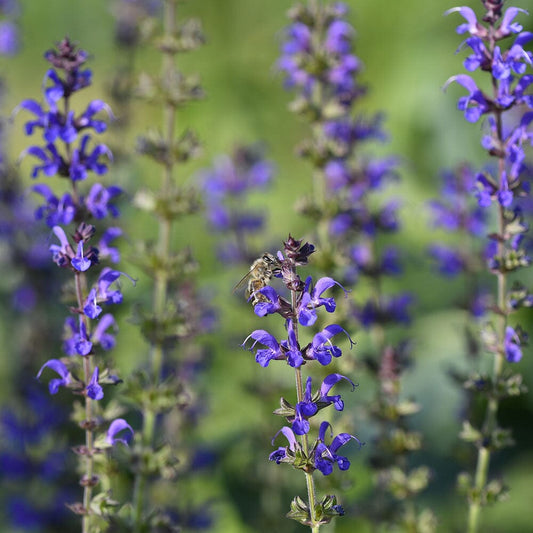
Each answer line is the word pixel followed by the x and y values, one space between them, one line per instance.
pixel 327 385
pixel 326 456
pixel 83 161
pixel 513 352
pixel 94 389
pixel 76 341
pixel 102 292
pixel 303 410
pixel 9 38
pixel 79 262
pixel 59 368
pixel 119 431
pixel 100 333
pixel 312 299
pixel 264 355
pixel 281 453
pixel 99 200
pixel 321 348
pixel 55 211
pixel 476 103
pixel 292 348
pixel 107 251
pixel 449 261
pixel 271 306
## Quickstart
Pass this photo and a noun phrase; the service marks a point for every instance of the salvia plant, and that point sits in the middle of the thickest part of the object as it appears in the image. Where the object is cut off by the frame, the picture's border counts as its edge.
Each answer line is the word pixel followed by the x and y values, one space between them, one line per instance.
pixel 66 150
pixel 353 216
pixel 80 449
pixel 302 451
pixel 161 390
pixel 500 96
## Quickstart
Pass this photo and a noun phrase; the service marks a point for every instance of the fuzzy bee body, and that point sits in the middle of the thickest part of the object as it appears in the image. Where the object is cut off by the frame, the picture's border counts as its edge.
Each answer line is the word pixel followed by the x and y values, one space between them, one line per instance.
pixel 259 276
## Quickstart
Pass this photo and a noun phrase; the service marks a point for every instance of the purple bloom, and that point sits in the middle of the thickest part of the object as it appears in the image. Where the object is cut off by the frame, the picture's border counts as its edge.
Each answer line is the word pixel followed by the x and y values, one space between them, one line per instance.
pixel 83 162
pixel 105 250
pixel 264 355
pixel 102 292
pixel 100 333
pixel 9 38
pixel 59 368
pixel 99 199
pixel 513 352
pixel 476 103
pixel 93 389
pixel 75 340
pixel 63 253
pixel 326 456
pixel 119 431
pixel 79 262
pixel 338 37
pixel 449 261
pixel 312 299
pixel 55 211
pixel 273 305
pixel 52 162
pixel 292 348
pixel 281 453
pixel 304 410
pixel 321 348
pixel 327 385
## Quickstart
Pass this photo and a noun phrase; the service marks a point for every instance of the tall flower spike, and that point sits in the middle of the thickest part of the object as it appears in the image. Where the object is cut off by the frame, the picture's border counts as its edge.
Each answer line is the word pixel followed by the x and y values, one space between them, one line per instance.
pixel 499 190
pixel 65 152
pixel 305 301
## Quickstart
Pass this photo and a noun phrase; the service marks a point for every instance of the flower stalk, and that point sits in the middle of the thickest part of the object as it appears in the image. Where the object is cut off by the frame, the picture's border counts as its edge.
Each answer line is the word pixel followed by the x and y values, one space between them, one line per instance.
pixel 500 191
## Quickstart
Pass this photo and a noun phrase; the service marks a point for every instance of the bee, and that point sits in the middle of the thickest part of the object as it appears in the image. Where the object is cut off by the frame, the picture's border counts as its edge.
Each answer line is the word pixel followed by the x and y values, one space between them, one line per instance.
pixel 259 276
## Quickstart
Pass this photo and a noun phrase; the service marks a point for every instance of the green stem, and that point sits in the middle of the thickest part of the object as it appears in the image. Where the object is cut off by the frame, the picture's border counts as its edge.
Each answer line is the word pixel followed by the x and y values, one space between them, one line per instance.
pixel 491 414
pixel 161 281
pixel 309 480
pixel 89 416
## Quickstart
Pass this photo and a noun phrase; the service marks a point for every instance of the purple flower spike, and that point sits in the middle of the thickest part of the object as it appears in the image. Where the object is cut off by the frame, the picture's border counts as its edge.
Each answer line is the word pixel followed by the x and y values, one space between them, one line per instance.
pixel 119 426
pixel 59 368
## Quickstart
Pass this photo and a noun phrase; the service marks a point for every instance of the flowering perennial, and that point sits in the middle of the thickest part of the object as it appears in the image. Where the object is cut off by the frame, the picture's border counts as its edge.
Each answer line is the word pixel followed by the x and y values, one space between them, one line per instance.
pixel 496 48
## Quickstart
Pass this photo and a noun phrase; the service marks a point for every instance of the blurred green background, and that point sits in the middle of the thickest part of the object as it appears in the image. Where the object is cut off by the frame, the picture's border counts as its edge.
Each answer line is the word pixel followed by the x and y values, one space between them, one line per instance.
pixel 408 52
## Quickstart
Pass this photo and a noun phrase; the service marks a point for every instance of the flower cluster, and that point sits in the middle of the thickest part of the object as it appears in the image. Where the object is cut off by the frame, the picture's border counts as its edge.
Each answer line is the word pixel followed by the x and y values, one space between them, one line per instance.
pixel 227 185
pixel 318 60
pixel 504 105
pixel 353 220
pixel 88 331
pixel 301 311
pixel 457 212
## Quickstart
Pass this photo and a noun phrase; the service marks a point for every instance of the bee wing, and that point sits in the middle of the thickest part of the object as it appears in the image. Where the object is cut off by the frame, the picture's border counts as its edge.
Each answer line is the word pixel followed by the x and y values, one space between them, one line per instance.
pixel 242 282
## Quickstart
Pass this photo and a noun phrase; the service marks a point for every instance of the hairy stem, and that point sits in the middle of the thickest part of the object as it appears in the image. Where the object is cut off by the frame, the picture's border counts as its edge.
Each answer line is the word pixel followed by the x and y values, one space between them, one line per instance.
pixel 309 480
pixel 89 415
pixel 161 278
pixel 491 413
